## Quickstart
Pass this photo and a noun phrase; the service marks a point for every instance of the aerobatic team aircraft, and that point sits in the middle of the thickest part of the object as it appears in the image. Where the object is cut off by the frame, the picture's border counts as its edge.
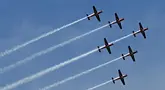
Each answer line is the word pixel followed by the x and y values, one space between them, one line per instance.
pixel 118 21
pixel 96 13
pixel 107 46
pixel 142 31
pixel 131 53
pixel 121 77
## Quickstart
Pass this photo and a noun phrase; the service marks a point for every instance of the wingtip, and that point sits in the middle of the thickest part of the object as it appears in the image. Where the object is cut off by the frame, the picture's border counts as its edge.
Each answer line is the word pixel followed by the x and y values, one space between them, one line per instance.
pixel 129 46
pixel 86 14
pixel 140 23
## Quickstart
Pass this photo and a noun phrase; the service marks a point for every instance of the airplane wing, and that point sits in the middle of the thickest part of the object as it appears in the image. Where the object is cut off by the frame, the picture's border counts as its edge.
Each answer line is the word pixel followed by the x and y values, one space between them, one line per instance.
pixel 106 45
pixel 120 26
pixel 120 75
pixel 108 49
pixel 132 55
pixel 98 17
pixel 130 50
pixel 105 42
pixel 140 25
pixel 143 33
pixel 94 9
pixel 141 30
pixel 96 14
pixel 116 16
pixel 122 80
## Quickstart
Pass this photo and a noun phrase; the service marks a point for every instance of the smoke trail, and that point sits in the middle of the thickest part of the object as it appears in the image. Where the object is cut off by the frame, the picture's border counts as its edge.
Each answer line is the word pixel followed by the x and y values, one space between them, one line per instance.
pixel 78 75
pixel 102 84
pixel 43 72
pixel 51 69
pixel 122 38
pixel 12 66
pixel 38 38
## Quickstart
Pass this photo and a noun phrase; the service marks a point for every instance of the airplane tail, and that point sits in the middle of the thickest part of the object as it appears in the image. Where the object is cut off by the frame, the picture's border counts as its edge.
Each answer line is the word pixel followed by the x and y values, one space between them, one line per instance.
pixel 99 48
pixel 88 16
pixel 133 32
pixel 113 80
pixel 110 25
pixel 123 56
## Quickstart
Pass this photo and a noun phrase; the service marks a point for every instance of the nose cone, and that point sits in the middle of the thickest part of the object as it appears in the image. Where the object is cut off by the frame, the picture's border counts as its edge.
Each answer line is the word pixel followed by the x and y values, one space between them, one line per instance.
pixel 136 51
pixel 121 19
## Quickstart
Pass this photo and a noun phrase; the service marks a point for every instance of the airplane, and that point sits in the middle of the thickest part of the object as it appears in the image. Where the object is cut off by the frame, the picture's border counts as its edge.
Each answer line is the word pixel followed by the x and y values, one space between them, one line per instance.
pixel 96 13
pixel 131 54
pixel 118 21
pixel 121 77
pixel 142 31
pixel 107 46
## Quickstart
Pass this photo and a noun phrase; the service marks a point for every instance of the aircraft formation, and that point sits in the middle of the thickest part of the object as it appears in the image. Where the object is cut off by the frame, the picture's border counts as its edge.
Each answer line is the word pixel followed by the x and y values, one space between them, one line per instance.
pixel 108 45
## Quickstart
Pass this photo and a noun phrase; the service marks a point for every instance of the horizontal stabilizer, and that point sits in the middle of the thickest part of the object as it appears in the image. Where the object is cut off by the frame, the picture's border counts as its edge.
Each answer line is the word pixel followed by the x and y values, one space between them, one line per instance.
pixel 88 16
pixel 113 80
pixel 99 48
pixel 133 32
pixel 110 25
pixel 123 56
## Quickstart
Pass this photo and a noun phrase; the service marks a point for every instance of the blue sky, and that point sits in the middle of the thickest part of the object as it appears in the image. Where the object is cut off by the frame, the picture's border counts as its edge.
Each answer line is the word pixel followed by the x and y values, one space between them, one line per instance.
pixel 21 21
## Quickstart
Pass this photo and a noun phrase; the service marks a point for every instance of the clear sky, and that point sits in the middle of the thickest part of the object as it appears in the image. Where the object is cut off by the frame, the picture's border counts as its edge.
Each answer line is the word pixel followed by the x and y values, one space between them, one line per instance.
pixel 22 20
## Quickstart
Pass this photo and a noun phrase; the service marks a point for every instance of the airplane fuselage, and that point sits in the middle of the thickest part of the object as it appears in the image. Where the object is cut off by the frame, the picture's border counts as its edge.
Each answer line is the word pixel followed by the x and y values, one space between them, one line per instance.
pixel 144 29
pixel 129 54
pixel 93 14
pixel 118 78
pixel 107 45
pixel 141 30
pixel 117 21
pixel 99 12
pixel 132 53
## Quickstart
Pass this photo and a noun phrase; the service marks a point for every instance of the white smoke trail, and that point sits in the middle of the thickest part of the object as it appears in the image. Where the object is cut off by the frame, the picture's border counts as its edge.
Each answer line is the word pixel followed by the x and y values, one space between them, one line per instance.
pixel 38 38
pixel 78 75
pixel 122 38
pixel 12 66
pixel 102 84
pixel 51 69
pixel 43 72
